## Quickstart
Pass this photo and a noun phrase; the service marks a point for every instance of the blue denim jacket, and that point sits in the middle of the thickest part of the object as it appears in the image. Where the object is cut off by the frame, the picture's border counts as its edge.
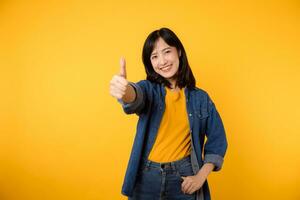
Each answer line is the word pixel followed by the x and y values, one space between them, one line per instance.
pixel 204 120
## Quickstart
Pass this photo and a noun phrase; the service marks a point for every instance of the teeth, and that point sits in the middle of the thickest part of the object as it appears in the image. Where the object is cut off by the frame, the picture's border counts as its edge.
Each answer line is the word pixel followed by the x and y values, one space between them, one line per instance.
pixel 166 68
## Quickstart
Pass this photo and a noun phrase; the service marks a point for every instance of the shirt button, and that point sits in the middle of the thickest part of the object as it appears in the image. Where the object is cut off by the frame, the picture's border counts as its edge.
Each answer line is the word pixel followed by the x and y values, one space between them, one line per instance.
pixel 190 114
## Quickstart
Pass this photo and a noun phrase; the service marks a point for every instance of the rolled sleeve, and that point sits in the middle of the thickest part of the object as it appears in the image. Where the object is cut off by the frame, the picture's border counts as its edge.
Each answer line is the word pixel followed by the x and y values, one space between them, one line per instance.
pixel 215 159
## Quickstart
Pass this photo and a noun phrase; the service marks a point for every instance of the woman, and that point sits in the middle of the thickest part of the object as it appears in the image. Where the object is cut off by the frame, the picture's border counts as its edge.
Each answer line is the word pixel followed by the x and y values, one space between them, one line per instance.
pixel 169 158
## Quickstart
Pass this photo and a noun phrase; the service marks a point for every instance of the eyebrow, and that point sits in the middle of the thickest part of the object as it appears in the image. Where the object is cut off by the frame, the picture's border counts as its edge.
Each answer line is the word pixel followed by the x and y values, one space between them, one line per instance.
pixel 162 50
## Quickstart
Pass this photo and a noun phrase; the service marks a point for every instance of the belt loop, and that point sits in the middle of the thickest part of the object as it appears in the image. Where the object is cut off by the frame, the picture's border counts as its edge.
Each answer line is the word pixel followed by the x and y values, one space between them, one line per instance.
pixel 173 165
pixel 161 165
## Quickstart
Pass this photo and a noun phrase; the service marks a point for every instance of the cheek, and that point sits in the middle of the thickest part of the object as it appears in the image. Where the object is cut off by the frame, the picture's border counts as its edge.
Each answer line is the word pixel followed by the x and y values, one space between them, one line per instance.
pixel 156 69
pixel 154 64
pixel 173 58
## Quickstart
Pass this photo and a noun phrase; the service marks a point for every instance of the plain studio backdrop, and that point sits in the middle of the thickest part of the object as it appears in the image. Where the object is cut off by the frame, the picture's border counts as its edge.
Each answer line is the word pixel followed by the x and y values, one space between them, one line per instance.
pixel 62 136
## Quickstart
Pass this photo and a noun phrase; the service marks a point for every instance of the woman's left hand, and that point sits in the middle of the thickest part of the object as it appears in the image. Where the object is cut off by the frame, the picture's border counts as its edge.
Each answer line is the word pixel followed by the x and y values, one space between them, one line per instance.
pixel 191 184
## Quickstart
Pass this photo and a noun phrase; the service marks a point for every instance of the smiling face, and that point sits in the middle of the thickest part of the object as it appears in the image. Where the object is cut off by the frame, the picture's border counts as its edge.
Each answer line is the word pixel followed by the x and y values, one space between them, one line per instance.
pixel 165 60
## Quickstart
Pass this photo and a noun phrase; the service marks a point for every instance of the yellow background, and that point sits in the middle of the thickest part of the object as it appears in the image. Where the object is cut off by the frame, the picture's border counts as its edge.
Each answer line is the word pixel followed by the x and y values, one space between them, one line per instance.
pixel 62 136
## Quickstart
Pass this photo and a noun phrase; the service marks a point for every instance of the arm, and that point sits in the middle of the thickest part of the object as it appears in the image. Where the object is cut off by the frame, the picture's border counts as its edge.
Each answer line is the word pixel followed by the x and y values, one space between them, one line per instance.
pixel 205 171
pixel 137 103
pixel 129 95
pixel 214 151
pixel 216 144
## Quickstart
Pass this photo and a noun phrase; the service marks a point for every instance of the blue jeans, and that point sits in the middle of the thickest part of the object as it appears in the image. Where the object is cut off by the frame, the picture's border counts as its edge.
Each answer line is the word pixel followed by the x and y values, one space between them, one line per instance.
pixel 162 181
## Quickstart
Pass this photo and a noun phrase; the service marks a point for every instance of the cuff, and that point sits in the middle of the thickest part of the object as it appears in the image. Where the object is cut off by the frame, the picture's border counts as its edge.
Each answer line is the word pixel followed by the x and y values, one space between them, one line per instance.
pixel 137 104
pixel 215 159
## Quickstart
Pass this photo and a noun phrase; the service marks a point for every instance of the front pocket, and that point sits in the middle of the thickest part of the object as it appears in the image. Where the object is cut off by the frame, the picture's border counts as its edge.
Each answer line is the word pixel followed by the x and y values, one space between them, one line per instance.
pixel 186 170
pixel 141 170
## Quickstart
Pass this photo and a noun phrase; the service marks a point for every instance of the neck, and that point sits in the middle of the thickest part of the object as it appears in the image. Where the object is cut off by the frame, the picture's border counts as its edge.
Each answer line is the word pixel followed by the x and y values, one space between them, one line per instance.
pixel 173 84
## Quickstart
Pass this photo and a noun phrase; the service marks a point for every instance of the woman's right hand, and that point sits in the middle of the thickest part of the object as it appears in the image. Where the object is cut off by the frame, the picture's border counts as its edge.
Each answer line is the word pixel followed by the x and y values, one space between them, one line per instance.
pixel 118 83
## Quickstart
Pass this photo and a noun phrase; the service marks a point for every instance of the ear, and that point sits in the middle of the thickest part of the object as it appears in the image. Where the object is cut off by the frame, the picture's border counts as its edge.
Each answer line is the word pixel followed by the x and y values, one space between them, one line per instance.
pixel 179 53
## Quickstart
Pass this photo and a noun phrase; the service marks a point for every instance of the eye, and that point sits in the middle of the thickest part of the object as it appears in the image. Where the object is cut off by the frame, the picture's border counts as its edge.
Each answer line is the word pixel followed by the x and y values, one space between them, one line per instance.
pixel 153 57
pixel 167 51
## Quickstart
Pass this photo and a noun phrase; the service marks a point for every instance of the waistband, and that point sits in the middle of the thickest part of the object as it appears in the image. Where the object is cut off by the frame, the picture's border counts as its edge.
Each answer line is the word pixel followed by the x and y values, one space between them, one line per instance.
pixel 166 165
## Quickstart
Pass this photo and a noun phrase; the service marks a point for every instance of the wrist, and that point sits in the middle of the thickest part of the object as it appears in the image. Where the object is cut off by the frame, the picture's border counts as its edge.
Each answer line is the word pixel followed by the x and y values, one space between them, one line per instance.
pixel 205 170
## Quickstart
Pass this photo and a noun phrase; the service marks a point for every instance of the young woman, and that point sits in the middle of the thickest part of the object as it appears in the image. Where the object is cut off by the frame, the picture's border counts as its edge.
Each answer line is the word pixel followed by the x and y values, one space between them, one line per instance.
pixel 170 157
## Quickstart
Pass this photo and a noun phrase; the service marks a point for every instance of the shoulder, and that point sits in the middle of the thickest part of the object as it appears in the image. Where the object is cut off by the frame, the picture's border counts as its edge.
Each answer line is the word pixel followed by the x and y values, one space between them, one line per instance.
pixel 199 92
pixel 148 85
pixel 144 83
pixel 202 96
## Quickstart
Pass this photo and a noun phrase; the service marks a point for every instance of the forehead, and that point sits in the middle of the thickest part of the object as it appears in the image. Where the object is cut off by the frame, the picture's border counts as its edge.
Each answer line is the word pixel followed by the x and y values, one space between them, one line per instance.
pixel 160 44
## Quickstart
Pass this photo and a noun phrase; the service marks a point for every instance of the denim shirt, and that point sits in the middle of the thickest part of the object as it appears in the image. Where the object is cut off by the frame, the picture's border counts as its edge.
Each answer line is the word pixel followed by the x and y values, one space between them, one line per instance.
pixel 204 120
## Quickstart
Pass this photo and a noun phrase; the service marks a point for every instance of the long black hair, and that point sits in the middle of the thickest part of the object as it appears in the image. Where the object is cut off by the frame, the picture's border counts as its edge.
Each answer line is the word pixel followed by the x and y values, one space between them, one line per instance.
pixel 184 76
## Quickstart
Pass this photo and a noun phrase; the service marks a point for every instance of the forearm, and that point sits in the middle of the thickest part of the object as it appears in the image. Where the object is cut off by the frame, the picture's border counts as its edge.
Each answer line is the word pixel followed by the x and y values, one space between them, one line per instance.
pixel 205 171
pixel 129 95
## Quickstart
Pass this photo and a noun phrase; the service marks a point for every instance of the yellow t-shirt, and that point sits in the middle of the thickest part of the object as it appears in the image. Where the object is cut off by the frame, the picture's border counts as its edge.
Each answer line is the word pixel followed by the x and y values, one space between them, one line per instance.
pixel 173 140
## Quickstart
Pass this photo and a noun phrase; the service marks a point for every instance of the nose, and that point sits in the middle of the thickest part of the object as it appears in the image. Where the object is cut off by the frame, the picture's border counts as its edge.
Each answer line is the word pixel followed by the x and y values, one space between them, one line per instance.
pixel 162 61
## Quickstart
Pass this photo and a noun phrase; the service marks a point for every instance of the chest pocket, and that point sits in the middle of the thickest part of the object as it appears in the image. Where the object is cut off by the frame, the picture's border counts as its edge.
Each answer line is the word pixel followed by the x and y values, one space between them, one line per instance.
pixel 200 109
pixel 201 113
pixel 201 116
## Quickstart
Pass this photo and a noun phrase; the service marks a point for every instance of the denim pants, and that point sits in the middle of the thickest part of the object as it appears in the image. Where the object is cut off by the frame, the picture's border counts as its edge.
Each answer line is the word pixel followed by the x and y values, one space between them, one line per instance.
pixel 162 181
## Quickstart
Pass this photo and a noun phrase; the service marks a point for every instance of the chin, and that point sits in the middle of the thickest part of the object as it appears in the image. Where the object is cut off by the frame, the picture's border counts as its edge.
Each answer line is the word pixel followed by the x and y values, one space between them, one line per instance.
pixel 167 76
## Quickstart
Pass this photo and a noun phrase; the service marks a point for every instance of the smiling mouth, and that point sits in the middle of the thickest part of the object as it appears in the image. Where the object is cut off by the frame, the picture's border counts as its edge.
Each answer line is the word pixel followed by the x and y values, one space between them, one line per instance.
pixel 166 68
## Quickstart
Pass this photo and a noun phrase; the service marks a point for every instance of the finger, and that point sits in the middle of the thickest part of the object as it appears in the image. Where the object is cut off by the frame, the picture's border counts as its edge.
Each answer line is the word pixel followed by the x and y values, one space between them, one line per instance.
pixel 117 90
pixel 116 94
pixel 119 85
pixel 122 80
pixel 184 182
pixel 123 67
pixel 185 187
pixel 113 94
pixel 190 190
pixel 118 80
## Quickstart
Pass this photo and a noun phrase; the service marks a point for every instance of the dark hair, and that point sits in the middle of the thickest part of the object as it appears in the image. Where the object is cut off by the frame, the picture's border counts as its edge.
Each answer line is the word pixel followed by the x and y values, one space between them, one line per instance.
pixel 184 75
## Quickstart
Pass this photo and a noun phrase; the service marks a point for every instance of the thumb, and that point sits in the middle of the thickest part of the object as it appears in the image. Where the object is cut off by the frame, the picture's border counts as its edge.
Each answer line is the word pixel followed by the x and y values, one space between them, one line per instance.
pixel 123 67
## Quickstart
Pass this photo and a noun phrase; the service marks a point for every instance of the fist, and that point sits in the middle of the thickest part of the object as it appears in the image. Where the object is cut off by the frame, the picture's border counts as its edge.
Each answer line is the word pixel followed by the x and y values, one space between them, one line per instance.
pixel 118 83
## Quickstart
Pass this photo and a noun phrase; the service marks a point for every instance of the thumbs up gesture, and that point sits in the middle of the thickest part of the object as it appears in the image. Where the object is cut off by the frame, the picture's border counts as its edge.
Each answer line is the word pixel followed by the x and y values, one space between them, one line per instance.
pixel 118 83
